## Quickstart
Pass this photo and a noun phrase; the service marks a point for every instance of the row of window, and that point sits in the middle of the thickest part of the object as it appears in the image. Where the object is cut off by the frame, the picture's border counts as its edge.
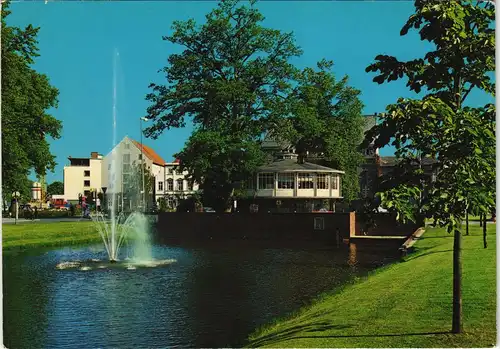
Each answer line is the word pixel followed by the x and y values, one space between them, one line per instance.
pixel 127 167
pixel 178 187
pixel 305 181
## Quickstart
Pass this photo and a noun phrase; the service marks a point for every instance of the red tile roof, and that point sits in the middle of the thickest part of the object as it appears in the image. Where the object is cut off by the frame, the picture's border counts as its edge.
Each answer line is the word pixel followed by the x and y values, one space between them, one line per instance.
pixel 150 153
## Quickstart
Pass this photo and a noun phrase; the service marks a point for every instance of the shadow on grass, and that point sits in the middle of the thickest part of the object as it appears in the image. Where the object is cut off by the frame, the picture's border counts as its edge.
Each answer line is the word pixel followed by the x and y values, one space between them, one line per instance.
pixel 292 333
pixel 410 257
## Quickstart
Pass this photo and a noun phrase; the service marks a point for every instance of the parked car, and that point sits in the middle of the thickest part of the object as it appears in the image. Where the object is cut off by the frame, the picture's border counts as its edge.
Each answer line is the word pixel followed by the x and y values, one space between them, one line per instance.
pixel 208 210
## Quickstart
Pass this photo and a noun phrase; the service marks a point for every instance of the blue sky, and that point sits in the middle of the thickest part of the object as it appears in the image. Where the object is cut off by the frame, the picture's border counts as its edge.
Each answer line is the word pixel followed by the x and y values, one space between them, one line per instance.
pixel 77 41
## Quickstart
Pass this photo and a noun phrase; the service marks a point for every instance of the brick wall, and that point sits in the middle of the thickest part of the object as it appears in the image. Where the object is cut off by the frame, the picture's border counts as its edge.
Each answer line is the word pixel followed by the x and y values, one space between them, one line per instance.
pixel 255 226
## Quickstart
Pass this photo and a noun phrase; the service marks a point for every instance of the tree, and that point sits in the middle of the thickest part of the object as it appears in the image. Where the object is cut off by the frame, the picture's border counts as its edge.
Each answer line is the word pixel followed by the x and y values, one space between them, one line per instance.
pixel 326 119
pixel 231 80
pixel 218 162
pixel 440 124
pixel 55 188
pixel 26 96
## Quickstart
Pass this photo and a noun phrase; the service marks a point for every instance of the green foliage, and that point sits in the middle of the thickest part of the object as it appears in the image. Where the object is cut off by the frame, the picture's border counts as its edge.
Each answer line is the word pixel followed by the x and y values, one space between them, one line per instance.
pixel 55 188
pixel 218 161
pixel 438 125
pixel 162 205
pixel 26 97
pixel 231 80
pixel 326 119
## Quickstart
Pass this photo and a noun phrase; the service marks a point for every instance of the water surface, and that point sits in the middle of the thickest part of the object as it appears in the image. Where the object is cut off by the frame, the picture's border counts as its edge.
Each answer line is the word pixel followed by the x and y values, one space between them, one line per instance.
pixel 210 297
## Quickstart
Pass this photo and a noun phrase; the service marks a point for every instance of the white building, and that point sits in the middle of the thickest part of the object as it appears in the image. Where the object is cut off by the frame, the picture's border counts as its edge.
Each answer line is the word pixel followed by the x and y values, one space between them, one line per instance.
pixel 173 186
pixel 81 176
pixel 168 181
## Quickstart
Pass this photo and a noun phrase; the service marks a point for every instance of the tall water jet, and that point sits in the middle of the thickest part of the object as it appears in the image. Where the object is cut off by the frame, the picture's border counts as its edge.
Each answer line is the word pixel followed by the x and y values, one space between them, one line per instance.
pixel 120 227
pixel 113 252
pixel 131 228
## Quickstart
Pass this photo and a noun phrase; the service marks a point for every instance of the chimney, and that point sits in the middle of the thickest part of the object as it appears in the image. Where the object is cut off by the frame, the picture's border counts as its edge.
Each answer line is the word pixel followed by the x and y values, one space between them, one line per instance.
pixel 94 155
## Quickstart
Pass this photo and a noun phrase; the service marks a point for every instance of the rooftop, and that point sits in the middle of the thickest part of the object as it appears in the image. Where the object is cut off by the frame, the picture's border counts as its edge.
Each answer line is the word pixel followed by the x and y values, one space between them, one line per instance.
pixel 150 153
pixel 370 121
pixel 392 161
pixel 291 165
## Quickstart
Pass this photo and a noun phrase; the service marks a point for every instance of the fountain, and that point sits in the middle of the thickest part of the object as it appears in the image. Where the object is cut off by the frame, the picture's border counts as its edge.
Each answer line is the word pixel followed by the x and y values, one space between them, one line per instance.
pixel 131 228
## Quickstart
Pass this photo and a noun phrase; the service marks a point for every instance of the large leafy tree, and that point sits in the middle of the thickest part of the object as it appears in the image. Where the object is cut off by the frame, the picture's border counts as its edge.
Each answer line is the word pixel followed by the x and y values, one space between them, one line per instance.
pixel 55 188
pixel 326 118
pixel 26 97
pixel 218 161
pixel 231 80
pixel 440 124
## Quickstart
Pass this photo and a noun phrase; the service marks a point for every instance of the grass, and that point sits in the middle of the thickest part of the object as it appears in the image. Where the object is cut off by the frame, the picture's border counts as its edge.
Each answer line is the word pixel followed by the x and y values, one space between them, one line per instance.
pixel 48 234
pixel 407 304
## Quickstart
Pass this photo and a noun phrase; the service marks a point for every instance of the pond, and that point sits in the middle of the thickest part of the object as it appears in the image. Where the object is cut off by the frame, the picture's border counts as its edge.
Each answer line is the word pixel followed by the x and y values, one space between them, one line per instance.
pixel 209 297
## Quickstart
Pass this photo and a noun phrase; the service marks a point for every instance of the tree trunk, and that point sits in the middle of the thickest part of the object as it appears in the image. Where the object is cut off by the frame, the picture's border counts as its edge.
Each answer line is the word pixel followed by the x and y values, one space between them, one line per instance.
pixel 481 220
pixel 466 222
pixel 485 242
pixel 457 282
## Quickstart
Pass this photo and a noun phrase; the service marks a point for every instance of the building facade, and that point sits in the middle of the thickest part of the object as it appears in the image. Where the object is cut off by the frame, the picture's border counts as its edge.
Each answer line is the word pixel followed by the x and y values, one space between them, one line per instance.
pixel 168 182
pixel 287 184
pixel 81 176
pixel 171 184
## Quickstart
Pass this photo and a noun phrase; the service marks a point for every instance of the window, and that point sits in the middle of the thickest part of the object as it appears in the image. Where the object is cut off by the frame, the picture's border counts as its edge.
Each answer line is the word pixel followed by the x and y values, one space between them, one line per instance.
pixel 189 186
pixel 322 181
pixel 126 158
pixel 126 168
pixel 335 182
pixel 86 173
pixel 180 185
pixel 170 184
pixel 306 181
pixel 319 223
pixel 266 180
pixel 140 157
pixel 178 170
pixel 86 183
pixel 286 180
pixel 127 145
pixel 160 185
pixel 171 170
pixel 109 167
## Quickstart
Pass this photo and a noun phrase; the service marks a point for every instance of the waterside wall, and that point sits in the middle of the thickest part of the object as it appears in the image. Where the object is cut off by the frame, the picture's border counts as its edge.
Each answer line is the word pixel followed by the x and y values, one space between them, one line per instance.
pixel 320 227
pixel 386 224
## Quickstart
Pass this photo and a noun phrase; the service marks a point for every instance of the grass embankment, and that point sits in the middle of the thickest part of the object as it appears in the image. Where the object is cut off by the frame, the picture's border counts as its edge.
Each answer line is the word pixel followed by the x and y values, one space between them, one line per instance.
pixel 48 234
pixel 408 304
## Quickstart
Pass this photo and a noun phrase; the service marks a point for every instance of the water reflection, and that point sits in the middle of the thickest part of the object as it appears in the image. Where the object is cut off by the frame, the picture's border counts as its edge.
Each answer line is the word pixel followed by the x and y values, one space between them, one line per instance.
pixel 352 261
pixel 211 297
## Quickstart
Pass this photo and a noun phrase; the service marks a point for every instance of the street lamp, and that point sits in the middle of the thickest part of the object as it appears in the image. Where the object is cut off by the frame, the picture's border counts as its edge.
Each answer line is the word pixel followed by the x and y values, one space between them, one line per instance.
pixel 16 195
pixel 142 166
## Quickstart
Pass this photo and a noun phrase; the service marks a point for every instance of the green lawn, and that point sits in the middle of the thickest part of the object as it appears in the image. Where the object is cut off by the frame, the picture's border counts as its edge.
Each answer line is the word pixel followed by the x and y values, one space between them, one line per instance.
pixel 407 304
pixel 48 234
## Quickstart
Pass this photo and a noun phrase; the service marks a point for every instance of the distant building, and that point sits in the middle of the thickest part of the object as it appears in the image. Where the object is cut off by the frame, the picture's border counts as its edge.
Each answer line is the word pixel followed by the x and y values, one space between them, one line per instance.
pixel 169 182
pixel 369 172
pixel 172 185
pixel 82 175
pixel 287 184
pixel 376 166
